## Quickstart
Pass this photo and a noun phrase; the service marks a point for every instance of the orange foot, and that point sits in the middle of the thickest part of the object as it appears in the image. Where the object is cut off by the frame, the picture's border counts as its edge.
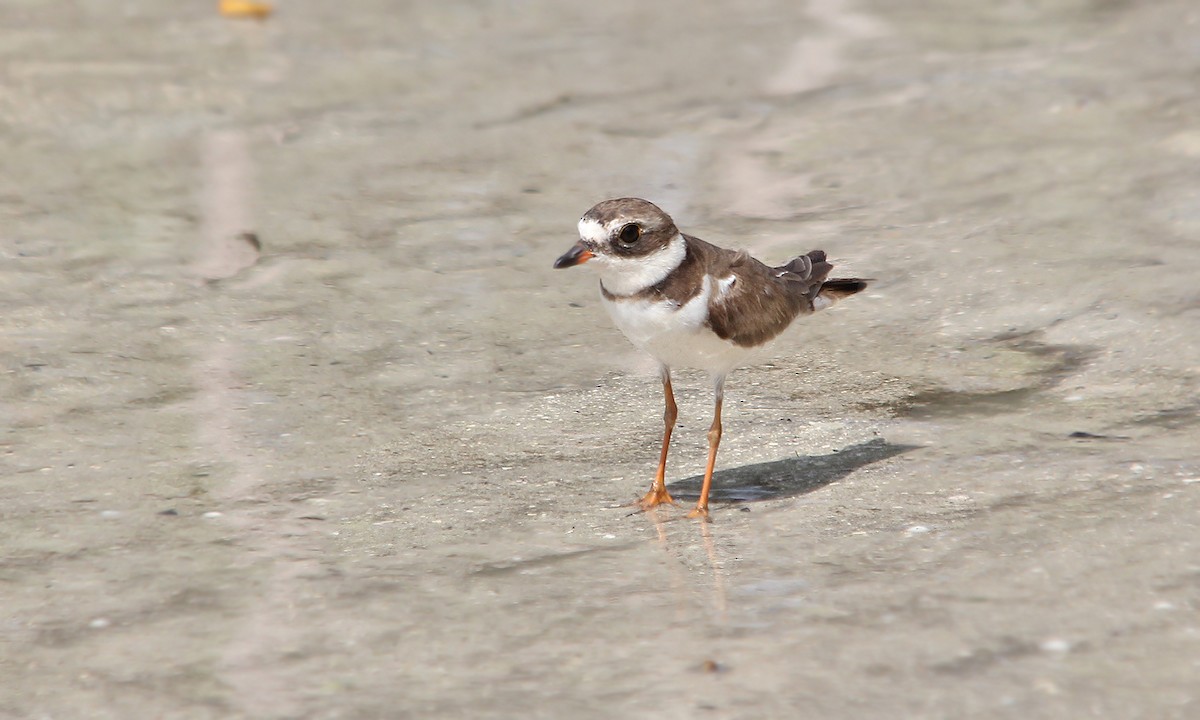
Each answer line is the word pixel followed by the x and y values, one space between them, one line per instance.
pixel 700 512
pixel 654 498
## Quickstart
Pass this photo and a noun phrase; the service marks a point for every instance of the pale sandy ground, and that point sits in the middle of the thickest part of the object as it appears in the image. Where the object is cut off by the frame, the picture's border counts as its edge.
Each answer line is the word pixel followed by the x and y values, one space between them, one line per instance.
pixel 380 471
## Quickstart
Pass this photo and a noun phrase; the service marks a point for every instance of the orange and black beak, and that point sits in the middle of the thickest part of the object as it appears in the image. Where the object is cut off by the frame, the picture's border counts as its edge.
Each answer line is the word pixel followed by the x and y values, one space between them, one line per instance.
pixel 577 255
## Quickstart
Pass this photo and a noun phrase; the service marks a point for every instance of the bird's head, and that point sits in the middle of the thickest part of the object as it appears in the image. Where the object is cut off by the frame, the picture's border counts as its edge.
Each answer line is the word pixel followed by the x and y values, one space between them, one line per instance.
pixel 632 242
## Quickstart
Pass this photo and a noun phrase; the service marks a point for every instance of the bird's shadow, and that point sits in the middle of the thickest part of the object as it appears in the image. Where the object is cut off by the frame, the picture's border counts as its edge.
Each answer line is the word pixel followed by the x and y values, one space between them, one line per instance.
pixel 788 477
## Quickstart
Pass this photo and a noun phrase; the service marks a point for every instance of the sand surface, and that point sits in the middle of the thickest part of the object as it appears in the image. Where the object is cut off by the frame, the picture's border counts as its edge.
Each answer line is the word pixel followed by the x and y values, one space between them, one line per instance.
pixel 379 467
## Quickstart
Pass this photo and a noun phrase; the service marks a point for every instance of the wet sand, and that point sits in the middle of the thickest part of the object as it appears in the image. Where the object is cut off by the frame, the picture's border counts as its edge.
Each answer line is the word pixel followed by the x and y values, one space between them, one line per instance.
pixel 380 468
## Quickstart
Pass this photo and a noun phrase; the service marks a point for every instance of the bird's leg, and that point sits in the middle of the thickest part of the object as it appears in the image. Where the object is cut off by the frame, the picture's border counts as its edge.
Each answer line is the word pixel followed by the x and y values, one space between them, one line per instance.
pixel 714 441
pixel 658 491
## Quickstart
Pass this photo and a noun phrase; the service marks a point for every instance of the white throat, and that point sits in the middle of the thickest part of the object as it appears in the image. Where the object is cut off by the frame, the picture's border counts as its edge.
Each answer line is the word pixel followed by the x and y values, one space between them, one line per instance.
pixel 627 276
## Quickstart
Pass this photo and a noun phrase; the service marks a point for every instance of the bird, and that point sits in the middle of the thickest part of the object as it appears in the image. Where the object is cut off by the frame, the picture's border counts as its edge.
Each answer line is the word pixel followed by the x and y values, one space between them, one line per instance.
pixel 689 303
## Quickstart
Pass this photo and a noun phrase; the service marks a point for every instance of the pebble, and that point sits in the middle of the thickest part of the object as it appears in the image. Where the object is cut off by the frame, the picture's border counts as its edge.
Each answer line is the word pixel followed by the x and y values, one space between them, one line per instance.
pixel 1055 645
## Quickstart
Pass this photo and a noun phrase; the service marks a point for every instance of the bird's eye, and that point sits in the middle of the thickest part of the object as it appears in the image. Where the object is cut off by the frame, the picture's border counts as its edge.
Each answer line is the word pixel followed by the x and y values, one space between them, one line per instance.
pixel 629 234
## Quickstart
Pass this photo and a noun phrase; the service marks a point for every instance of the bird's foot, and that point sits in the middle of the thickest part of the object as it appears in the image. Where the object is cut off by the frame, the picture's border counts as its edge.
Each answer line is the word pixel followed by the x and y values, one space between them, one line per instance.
pixel 654 498
pixel 701 513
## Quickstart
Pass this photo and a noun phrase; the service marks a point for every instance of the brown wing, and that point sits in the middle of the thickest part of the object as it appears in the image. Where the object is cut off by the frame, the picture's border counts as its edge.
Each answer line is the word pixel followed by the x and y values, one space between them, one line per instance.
pixel 761 301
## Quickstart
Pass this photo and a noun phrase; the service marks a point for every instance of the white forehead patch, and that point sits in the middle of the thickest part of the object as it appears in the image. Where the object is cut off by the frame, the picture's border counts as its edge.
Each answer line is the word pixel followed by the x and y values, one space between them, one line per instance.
pixel 591 231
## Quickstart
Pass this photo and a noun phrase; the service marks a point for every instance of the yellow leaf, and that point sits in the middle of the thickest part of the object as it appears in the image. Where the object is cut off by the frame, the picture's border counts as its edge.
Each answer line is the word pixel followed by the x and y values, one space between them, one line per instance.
pixel 244 8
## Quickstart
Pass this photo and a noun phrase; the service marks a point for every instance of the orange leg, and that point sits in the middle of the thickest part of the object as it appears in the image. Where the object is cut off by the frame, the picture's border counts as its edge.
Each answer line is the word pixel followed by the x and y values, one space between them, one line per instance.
pixel 658 491
pixel 714 441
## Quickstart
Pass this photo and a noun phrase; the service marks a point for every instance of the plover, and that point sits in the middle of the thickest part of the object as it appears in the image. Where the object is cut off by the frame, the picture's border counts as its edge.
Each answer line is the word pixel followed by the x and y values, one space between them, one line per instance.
pixel 689 303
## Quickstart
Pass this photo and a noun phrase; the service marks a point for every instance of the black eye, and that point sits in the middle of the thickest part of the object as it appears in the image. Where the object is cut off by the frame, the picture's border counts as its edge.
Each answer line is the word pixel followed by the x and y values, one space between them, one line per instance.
pixel 629 234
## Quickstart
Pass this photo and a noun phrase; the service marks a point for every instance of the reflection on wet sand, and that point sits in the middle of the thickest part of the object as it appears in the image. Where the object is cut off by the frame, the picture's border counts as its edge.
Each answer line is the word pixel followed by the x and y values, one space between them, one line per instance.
pixel 268 622
pixel 678 549
pixel 228 244
pixel 760 481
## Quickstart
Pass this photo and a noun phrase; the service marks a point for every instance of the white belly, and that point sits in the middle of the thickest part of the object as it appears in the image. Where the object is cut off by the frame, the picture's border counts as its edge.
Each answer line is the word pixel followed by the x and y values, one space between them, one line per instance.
pixel 676 335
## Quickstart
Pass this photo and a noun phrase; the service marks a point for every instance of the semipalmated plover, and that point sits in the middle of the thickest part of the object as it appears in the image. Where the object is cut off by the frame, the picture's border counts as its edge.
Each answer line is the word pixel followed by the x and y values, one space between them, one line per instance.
pixel 692 304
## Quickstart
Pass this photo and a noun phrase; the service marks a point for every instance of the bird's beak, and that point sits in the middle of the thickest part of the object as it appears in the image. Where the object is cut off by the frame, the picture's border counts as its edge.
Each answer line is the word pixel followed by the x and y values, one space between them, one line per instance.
pixel 577 255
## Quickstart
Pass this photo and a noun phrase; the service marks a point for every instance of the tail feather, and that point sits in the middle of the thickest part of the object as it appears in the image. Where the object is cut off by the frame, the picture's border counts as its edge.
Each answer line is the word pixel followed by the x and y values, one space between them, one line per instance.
pixel 836 289
pixel 843 287
pixel 808 272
